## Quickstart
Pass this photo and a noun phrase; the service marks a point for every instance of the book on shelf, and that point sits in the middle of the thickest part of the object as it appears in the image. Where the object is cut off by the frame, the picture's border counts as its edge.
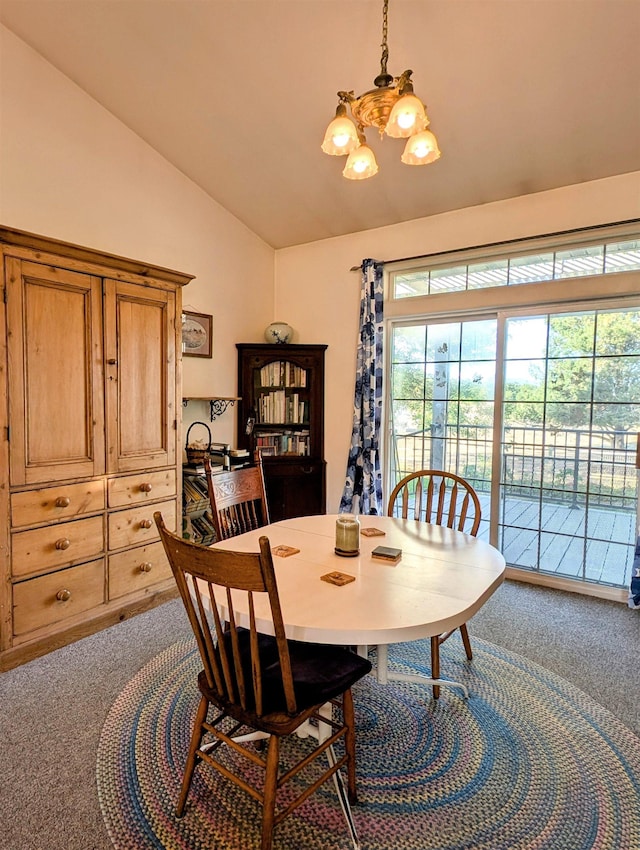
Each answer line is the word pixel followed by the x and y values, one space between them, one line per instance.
pixel 278 407
pixel 283 443
pixel 201 530
pixel 198 468
pixel 283 373
pixel 193 469
pixel 231 460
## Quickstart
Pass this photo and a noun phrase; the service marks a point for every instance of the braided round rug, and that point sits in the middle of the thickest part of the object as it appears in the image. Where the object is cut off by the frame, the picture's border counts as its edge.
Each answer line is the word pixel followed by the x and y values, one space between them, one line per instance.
pixel 528 762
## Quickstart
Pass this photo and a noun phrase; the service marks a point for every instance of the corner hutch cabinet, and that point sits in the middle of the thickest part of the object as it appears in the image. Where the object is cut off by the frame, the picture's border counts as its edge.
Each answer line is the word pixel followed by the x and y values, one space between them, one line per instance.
pixel 282 414
pixel 89 400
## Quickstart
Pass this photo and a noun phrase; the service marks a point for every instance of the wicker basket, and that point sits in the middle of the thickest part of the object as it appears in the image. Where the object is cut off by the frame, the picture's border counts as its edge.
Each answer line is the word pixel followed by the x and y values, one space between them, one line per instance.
pixel 196 454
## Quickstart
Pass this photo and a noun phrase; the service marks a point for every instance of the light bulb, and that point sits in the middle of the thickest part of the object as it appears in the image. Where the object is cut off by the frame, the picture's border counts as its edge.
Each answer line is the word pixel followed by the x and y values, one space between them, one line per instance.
pixel 406 119
pixel 340 140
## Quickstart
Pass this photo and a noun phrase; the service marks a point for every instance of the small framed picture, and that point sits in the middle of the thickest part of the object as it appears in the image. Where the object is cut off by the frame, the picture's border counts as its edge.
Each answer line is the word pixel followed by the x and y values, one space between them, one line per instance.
pixel 196 334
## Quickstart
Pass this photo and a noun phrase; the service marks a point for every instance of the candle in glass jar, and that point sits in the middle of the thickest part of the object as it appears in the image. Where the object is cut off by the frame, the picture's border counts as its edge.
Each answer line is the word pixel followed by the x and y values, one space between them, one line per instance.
pixel 347 535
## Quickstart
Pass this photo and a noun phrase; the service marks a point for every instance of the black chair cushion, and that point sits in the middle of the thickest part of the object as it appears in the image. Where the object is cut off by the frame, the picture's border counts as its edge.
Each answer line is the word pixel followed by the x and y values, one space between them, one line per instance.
pixel 320 672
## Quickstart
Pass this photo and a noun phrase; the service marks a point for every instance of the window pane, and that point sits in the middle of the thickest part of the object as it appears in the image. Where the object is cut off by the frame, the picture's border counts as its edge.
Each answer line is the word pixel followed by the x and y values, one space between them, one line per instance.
pixel 479 340
pixel 443 342
pixel 569 379
pixel 449 280
pixel 524 380
pixel 614 376
pixel 622 256
pixel 579 261
pixel 618 332
pixel 408 344
pixel 407 416
pixel 410 284
pixel 531 269
pixel 526 338
pixel 477 380
pixel 571 335
pixel 482 275
pixel 408 380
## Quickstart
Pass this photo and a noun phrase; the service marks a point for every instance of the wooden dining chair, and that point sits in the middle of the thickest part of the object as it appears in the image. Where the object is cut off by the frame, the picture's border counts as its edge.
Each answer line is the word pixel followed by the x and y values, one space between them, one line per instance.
pixel 443 498
pixel 262 685
pixel 238 499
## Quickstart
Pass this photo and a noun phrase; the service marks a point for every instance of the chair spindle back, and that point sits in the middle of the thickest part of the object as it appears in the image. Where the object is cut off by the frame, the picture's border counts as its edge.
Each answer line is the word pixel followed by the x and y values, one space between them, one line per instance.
pixel 198 571
pixel 238 500
pixel 437 497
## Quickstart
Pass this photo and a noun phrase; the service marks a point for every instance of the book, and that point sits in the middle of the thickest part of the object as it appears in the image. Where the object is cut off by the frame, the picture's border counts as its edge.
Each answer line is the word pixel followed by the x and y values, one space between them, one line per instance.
pixel 238 453
pixel 193 468
pixel 387 553
pixel 337 578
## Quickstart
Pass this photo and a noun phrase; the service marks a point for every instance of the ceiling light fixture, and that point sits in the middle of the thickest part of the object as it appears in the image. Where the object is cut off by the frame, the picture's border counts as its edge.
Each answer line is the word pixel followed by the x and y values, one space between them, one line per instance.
pixel 393 108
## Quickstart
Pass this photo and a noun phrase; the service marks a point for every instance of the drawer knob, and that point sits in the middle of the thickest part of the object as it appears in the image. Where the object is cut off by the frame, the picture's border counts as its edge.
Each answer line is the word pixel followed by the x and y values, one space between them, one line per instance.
pixel 63 543
pixel 145 487
pixel 145 567
pixel 63 595
pixel 145 523
pixel 63 502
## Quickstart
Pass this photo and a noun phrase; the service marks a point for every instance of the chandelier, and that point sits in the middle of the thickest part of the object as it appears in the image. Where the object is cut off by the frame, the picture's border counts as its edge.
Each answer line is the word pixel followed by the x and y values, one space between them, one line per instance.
pixel 393 108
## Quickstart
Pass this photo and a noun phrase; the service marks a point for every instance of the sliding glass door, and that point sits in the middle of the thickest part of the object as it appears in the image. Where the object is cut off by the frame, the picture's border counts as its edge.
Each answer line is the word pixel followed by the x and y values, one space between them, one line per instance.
pixel 541 414
pixel 570 422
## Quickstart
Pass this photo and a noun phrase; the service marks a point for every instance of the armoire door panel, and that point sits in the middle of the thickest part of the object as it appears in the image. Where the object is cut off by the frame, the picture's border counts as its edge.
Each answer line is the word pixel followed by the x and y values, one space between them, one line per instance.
pixel 141 387
pixel 55 373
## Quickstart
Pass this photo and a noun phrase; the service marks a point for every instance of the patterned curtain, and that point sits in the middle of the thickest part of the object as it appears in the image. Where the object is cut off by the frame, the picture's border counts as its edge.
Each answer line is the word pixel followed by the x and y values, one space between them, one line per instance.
pixel 363 489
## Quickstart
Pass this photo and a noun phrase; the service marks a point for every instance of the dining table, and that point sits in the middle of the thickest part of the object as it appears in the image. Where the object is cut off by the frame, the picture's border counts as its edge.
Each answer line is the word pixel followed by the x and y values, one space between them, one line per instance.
pixel 442 578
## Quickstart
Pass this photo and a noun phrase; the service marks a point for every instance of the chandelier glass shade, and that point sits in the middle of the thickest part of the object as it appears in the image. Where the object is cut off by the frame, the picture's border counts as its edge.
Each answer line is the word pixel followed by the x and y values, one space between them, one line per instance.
pixel 392 108
pixel 421 149
pixel 361 163
pixel 341 136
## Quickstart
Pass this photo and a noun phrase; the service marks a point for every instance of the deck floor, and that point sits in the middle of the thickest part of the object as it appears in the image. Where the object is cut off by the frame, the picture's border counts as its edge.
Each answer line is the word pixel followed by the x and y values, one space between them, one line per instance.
pixel 603 555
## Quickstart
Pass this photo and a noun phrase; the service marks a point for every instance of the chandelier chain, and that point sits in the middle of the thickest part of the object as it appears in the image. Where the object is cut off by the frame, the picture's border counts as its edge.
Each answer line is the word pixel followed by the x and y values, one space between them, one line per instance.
pixel 384 46
pixel 392 108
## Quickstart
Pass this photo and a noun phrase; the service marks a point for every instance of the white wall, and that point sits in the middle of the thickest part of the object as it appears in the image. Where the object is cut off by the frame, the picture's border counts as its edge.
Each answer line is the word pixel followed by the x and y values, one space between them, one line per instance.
pixel 331 314
pixel 70 170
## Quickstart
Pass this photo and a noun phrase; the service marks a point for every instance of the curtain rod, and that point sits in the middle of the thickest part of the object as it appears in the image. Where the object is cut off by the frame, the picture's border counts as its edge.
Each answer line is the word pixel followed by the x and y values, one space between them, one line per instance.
pixel 504 242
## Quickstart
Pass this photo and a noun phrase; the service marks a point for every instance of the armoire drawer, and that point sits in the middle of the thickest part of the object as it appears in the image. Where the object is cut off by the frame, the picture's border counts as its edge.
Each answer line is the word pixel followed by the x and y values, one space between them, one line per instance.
pixel 56 546
pixel 136 525
pixel 64 501
pixel 141 487
pixel 137 569
pixel 49 599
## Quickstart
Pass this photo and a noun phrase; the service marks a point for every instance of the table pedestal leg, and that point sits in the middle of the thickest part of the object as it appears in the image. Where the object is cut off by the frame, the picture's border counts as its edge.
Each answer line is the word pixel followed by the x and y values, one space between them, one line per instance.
pixel 384 674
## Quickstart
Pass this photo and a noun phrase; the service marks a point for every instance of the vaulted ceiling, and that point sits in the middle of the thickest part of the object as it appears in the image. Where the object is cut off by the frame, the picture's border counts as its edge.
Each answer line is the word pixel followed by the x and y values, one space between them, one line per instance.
pixel 523 95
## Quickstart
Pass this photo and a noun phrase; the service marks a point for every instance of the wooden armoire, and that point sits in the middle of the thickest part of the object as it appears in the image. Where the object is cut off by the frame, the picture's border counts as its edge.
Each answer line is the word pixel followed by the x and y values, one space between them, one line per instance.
pixel 89 407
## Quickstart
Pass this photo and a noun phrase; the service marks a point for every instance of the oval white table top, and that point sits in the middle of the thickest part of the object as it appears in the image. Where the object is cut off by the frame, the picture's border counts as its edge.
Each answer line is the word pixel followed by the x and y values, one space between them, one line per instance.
pixel 442 579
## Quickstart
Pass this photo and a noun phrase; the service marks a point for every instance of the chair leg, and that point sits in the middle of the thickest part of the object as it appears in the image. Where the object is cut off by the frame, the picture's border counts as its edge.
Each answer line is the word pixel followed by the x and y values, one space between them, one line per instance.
pixel 350 744
pixel 435 663
pixel 465 640
pixel 196 736
pixel 270 788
